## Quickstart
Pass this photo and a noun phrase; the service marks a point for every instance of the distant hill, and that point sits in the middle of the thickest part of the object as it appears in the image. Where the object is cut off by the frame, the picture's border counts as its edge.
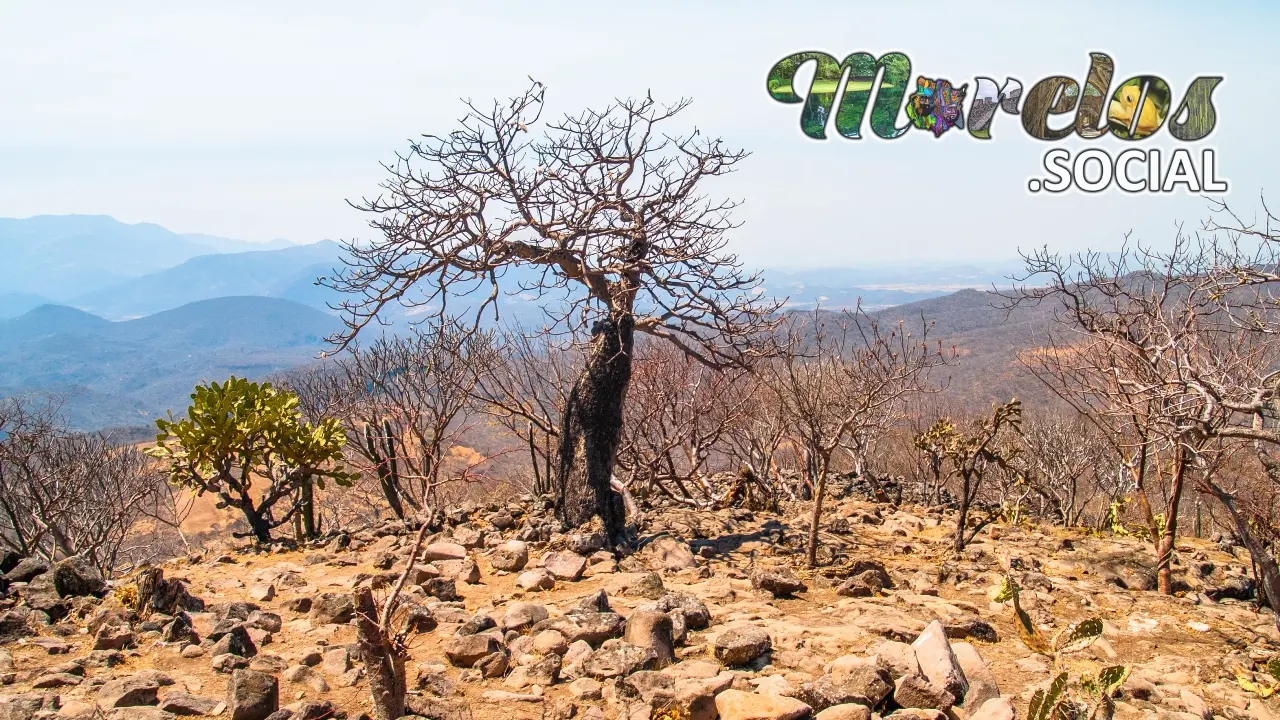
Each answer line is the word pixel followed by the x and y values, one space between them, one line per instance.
pixel 284 273
pixel 128 373
pixel 987 341
pixel 58 256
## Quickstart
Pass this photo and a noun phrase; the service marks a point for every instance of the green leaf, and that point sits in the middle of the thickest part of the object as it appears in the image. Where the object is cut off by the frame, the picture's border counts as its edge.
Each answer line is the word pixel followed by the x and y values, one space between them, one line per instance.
pixel 1078 636
pixel 1273 667
pixel 1110 679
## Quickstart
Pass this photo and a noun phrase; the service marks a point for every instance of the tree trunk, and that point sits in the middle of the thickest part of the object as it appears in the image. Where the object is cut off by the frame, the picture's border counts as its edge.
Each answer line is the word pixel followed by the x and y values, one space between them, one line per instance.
pixel 819 491
pixel 592 430
pixel 382 660
pixel 258 524
pixel 307 507
pixel 963 519
pixel 1268 571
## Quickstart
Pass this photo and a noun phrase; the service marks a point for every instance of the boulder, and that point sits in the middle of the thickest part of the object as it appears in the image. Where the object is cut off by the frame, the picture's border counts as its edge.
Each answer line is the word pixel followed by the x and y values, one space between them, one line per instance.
pixel 332 608
pixel 695 612
pixel 618 658
pixel 465 650
pixel 741 645
pixel 180 703
pixel 564 565
pixel 652 630
pixel 982 683
pixel 938 663
pixel 999 708
pixel 75 577
pixel 914 691
pixel 510 556
pixel 739 705
pixel 443 551
pixel 536 579
pixel 128 691
pixel 27 569
pixel 593 628
pixel 521 616
pixel 779 582
pixel 847 711
pixel 668 553
pixel 252 695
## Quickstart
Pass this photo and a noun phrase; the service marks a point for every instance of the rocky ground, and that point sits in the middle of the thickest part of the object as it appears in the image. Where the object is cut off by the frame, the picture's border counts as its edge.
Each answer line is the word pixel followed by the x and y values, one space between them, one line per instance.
pixel 714 616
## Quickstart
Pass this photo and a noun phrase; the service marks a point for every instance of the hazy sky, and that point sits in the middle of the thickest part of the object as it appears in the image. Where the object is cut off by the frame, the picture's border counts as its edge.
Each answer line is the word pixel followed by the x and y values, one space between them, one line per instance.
pixel 258 119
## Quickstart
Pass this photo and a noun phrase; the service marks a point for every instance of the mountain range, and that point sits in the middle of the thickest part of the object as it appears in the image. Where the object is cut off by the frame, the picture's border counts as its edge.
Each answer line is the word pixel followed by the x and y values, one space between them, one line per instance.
pixel 122 320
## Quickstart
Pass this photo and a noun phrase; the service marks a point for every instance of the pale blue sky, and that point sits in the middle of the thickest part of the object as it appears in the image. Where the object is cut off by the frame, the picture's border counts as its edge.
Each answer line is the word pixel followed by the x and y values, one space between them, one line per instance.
pixel 257 119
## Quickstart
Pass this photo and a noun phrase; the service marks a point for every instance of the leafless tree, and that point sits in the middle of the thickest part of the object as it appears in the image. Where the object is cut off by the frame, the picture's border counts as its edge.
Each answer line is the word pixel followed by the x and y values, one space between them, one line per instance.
pixel 843 382
pixel 602 217
pixel 403 402
pixel 527 393
pixel 65 493
pixel 1148 344
pixel 678 413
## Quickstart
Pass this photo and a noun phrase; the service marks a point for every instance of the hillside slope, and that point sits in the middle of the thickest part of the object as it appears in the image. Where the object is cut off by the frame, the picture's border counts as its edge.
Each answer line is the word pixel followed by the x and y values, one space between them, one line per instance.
pixel 128 373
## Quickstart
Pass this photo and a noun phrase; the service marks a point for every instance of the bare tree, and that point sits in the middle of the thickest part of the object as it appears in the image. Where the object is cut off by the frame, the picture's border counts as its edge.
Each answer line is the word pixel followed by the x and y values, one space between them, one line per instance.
pixel 602 218
pixel 678 412
pixel 527 393
pixel 843 383
pixel 403 402
pixel 64 493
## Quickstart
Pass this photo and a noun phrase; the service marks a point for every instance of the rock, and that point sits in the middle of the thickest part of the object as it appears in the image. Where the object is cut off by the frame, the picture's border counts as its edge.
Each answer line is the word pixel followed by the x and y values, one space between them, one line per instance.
pixel 652 630
pixel 668 553
pixel 262 620
pixel 596 602
pixel 26 570
pixel 779 582
pixel 443 551
pixel 982 683
pixel 544 672
pixel 300 605
pixel 739 705
pixel 593 628
pixel 510 556
pixel 336 662
pixel 460 571
pixel 914 691
pixel 564 565
pixel 938 663
pixel 252 695
pixel 114 637
pixel 521 616
pixel 434 708
pixel 999 708
pixel 465 650
pixel 180 703
pixel 179 629
pixel 852 679
pixel 56 680
pixel 444 589
pixel 128 691
pixel 493 665
pixel 574 658
pixel 695 612
pixel 919 714
pixel 972 627
pixel 618 658
pixel 536 579
pixel 235 642
pixel 468 537
pixel 648 586
pixel 585 689
pixel 228 663
pixel 846 711
pixel 741 645
pixel 75 577
pixel 140 713
pixel 262 592
pixel 303 675
pixel 550 642
pixel 331 608
pixel 899 658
